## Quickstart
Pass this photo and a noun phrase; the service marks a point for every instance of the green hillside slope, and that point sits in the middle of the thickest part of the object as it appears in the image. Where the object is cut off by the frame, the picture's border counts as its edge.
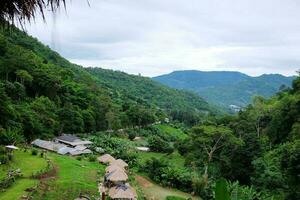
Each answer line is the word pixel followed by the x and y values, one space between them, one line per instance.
pixel 42 94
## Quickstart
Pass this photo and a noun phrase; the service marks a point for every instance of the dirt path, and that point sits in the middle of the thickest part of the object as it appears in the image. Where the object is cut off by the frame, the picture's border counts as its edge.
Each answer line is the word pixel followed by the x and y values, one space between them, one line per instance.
pixel 143 181
pixel 156 192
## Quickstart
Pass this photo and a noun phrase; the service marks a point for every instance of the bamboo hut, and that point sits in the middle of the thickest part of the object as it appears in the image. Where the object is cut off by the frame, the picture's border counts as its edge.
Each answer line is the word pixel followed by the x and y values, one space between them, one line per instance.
pixel 120 163
pixel 122 191
pixel 112 168
pixel 106 159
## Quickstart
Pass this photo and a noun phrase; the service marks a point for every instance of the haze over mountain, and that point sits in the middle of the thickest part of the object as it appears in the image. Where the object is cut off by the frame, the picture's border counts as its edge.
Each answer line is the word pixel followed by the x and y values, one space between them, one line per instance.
pixel 225 88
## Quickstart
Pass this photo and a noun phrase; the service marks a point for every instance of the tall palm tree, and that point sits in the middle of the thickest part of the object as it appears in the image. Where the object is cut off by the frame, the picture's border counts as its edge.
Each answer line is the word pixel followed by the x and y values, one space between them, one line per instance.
pixel 25 10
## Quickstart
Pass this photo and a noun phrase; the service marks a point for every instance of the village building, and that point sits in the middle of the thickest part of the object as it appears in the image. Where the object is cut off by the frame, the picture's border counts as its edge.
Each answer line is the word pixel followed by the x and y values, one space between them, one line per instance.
pixel 112 168
pixel 106 159
pixel 65 144
pixel 120 163
pixel 117 176
pixel 72 140
pixel 122 191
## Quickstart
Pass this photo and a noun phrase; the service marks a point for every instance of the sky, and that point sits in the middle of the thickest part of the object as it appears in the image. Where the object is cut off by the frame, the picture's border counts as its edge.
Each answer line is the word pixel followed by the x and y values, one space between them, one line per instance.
pixel 154 37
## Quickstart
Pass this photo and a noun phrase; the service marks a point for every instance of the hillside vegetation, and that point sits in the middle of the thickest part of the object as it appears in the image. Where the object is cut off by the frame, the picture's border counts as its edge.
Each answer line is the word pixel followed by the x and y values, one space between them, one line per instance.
pixel 43 94
pixel 226 88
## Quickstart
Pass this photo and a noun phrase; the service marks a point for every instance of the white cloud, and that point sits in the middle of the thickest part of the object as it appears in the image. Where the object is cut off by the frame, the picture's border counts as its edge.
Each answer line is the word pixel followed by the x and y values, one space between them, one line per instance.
pixel 153 37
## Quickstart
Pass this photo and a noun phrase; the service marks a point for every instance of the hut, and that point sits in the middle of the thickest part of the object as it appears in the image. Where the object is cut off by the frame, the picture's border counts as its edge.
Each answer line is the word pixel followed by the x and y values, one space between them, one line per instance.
pixel 122 191
pixel 112 168
pixel 120 163
pixel 106 159
pixel 116 177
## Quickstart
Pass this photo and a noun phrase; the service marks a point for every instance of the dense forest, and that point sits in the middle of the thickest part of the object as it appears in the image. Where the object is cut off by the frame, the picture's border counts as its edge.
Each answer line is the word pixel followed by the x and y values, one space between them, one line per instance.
pixel 225 88
pixel 43 94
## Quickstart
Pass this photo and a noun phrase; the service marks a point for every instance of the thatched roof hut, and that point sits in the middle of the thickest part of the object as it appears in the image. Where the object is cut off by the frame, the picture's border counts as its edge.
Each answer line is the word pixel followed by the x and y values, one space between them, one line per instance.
pixel 106 159
pixel 123 191
pixel 112 168
pixel 118 175
pixel 120 163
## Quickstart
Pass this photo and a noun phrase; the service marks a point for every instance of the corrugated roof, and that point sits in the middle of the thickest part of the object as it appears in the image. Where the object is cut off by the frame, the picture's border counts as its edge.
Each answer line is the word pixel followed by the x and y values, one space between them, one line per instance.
pixel 68 137
pixel 52 146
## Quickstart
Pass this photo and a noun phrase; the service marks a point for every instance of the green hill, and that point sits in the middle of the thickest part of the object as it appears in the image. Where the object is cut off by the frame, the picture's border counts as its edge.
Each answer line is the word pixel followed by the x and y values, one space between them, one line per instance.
pixel 42 94
pixel 225 88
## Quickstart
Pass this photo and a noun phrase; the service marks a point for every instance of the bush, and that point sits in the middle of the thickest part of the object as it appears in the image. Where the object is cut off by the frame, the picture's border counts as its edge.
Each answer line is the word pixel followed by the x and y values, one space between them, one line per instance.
pixel 3 159
pixel 92 158
pixel 131 135
pixel 34 152
pixel 79 158
pixel 158 144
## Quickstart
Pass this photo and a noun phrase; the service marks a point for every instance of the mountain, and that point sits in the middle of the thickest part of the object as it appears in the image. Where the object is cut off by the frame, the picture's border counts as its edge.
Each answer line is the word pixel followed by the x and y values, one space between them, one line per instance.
pixel 42 94
pixel 225 88
pixel 148 91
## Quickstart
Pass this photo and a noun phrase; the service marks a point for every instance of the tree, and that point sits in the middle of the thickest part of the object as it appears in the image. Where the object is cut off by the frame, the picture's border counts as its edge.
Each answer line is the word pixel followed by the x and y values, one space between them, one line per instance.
pixel 24 76
pixel 210 139
pixel 21 10
pixel 257 113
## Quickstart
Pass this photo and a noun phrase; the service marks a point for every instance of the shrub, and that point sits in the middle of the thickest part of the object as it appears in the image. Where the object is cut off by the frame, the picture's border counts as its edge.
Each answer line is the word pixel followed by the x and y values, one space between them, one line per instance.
pixel 158 144
pixel 92 158
pixel 79 158
pixel 4 159
pixel 34 152
pixel 131 135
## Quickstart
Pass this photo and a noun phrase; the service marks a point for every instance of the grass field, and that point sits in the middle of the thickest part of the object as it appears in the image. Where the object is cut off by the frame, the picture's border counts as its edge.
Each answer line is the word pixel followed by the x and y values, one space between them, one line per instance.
pixel 175 132
pixel 157 192
pixel 67 180
pixel 175 158
pixel 29 165
pixel 72 178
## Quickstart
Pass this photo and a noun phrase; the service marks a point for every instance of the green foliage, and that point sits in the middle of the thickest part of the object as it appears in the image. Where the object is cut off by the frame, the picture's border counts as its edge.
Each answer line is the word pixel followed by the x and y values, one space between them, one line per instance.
pixel 221 191
pixel 10 136
pixel 92 158
pixel 174 198
pixel 34 152
pixel 158 144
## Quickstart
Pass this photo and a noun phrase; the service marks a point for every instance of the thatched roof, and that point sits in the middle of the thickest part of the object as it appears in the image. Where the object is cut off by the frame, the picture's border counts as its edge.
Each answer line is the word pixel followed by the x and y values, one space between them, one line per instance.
pixel 112 168
pixel 117 175
pixel 120 163
pixel 106 159
pixel 22 10
pixel 123 191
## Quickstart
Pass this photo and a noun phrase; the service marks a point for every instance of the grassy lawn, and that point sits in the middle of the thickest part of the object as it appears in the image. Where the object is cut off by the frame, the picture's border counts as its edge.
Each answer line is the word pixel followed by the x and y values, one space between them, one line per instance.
pixel 175 158
pixel 157 192
pixel 72 178
pixel 177 133
pixel 28 164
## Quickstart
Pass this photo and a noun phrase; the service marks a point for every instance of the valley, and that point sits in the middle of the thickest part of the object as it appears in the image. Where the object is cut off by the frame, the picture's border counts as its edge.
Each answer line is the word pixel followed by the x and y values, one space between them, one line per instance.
pixel 177 144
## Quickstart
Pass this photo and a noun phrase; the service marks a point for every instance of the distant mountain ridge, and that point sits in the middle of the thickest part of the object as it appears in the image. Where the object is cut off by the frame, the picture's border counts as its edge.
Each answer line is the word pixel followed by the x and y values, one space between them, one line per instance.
pixel 225 88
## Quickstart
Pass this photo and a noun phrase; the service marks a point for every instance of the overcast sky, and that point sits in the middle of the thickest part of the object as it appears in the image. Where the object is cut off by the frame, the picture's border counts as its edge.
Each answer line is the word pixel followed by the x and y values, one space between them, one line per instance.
pixel 153 37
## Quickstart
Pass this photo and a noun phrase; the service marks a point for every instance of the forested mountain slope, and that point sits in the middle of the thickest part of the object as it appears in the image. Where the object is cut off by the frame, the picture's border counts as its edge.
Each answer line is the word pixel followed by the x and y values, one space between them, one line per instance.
pixel 43 94
pixel 149 92
pixel 225 88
